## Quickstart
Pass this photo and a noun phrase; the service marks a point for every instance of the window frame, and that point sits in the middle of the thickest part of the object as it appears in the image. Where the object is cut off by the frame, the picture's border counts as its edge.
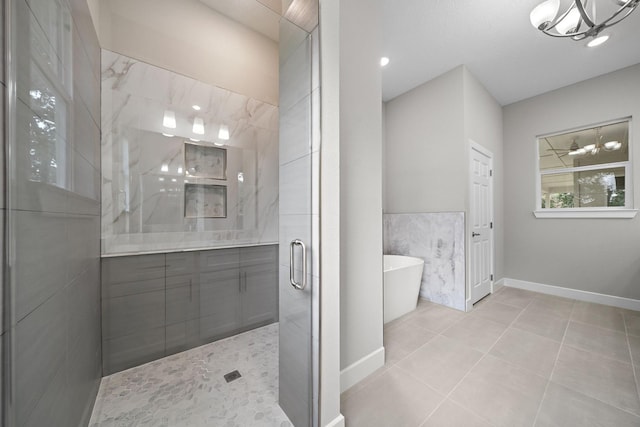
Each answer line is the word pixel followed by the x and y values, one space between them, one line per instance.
pixel 628 211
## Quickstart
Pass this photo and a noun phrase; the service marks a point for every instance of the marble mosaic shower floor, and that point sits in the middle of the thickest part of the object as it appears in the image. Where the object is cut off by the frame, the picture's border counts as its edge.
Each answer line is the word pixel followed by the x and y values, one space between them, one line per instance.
pixel 189 390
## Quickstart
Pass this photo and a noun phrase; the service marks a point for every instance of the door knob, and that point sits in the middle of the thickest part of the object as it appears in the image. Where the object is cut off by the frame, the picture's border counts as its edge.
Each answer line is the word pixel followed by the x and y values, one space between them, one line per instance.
pixel 474 234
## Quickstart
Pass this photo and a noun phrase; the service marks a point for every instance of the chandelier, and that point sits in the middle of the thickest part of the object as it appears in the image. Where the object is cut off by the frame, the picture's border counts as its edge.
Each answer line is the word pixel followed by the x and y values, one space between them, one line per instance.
pixel 579 20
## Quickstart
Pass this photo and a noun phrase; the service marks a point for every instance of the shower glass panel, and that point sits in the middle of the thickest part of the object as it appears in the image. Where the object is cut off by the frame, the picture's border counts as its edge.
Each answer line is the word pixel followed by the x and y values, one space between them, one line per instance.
pixel 298 242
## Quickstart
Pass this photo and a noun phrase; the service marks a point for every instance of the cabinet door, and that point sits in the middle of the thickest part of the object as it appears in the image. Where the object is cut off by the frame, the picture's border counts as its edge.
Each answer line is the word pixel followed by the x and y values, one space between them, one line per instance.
pixel 219 280
pixel 259 285
pixel 133 311
pixel 183 312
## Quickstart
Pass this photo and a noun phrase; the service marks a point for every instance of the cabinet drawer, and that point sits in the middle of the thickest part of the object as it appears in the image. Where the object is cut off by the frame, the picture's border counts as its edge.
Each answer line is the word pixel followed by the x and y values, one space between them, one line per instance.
pixel 219 259
pixel 181 263
pixel 259 255
pixel 134 268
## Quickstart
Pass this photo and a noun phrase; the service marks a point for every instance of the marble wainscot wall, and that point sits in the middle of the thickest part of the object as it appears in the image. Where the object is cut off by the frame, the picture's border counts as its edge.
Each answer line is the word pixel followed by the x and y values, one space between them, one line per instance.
pixel 438 238
pixel 148 118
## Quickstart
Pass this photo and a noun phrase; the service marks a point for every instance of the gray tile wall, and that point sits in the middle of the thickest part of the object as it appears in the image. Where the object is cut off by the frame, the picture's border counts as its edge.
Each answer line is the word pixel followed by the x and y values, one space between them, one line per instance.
pixel 53 214
pixel 2 211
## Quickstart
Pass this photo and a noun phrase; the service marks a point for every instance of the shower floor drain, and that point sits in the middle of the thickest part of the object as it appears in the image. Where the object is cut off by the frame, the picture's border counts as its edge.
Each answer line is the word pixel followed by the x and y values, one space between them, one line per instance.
pixel 232 376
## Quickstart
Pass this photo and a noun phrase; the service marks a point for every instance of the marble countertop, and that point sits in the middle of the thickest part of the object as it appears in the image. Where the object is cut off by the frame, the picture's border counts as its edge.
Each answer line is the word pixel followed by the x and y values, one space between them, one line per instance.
pixel 205 248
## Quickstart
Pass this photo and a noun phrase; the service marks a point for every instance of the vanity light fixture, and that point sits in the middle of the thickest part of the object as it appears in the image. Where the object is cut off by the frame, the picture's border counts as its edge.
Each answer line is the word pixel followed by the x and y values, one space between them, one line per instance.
pixel 223 133
pixel 384 61
pixel 578 23
pixel 196 107
pixel 198 126
pixel 180 170
pixel 169 119
pixel 164 167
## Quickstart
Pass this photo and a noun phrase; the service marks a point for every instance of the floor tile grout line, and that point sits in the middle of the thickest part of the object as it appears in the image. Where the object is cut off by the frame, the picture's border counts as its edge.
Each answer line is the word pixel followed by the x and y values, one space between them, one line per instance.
pixel 598 326
pixel 633 365
pixel 448 395
pixel 555 363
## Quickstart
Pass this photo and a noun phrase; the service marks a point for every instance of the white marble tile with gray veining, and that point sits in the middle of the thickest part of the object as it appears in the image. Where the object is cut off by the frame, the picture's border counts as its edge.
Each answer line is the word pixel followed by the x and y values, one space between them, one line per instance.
pixel 144 170
pixel 438 238
pixel 189 389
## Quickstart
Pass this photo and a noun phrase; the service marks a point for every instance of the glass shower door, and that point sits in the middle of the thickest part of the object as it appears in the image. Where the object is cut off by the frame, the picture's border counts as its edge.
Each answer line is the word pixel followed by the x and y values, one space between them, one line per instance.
pixel 298 278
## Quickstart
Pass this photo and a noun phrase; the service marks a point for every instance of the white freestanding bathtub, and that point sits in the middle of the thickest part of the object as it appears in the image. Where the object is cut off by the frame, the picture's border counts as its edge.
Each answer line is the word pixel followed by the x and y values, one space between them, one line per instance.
pixel 402 278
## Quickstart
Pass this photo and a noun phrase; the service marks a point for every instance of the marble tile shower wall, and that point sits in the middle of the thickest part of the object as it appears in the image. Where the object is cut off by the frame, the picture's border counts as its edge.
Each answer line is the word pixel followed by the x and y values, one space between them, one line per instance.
pixel 144 168
pixel 438 238
pixel 53 212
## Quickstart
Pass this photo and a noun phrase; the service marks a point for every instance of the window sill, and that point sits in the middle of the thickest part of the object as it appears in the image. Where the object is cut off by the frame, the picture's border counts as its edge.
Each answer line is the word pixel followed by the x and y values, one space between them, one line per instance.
pixel 587 213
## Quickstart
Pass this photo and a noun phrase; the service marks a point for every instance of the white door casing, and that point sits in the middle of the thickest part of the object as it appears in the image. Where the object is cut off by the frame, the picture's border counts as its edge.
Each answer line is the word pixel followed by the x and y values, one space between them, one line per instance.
pixel 480 223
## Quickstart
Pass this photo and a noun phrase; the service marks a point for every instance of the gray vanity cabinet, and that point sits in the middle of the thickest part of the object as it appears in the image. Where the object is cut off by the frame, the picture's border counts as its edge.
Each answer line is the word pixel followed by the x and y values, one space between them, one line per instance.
pixel 220 301
pixel 133 311
pixel 238 290
pixel 161 304
pixel 182 302
pixel 260 296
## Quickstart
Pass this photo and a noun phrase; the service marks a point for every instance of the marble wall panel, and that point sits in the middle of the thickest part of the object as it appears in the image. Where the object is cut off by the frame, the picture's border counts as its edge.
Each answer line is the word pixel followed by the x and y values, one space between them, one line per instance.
pixel 438 238
pixel 144 170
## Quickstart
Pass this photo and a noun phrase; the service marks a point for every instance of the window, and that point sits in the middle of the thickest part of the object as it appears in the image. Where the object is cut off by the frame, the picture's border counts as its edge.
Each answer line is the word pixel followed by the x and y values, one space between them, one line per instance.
pixel 585 173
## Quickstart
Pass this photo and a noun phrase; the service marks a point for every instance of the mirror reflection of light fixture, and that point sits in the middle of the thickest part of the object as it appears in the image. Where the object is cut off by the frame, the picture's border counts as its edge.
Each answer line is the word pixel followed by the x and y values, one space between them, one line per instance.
pixel 224 132
pixel 169 119
pixel 198 126
pixel 164 167
pixel 575 21
pixel 612 145
pixel 575 150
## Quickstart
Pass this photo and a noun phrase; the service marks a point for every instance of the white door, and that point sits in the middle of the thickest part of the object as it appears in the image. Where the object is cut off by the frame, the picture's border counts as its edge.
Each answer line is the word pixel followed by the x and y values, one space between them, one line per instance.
pixel 481 223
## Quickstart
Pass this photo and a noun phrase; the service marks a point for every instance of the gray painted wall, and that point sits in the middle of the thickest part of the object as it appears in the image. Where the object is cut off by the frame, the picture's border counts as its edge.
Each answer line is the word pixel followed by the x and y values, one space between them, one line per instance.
pixel 597 255
pixel 426 169
pixel 427 148
pixel 483 125
pixel 54 245
pixel 361 181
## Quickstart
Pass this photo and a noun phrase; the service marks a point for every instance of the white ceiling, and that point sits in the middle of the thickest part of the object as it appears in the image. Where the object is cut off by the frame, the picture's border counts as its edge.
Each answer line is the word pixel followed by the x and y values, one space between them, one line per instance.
pixel 495 40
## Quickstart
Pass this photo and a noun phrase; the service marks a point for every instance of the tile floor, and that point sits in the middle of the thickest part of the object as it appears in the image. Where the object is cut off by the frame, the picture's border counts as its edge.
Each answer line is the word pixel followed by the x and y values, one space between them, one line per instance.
pixel 189 389
pixel 518 359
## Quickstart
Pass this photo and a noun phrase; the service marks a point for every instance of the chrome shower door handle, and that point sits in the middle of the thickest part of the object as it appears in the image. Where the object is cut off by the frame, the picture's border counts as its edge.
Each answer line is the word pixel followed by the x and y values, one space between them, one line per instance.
pixel 298 285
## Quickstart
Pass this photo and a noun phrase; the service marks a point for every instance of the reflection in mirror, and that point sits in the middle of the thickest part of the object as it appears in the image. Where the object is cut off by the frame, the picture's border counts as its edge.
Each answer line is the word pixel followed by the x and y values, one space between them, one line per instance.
pixel 585 168
pixel 164 134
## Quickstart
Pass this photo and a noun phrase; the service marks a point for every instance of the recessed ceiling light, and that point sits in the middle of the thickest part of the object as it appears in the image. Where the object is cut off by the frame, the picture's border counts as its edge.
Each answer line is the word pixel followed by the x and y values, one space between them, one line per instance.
pixel 598 41
pixel 196 107
pixel 384 61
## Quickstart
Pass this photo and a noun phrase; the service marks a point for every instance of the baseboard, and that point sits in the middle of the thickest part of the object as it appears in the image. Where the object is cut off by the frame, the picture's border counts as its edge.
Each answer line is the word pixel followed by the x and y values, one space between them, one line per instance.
pixel 361 369
pixel 620 302
pixel 337 422
pixel 498 284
